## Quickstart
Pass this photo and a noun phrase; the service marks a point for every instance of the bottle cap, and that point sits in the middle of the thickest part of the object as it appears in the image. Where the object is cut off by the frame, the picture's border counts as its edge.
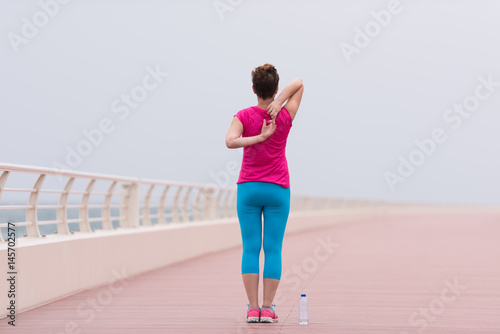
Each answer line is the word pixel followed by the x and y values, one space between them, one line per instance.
pixel 303 295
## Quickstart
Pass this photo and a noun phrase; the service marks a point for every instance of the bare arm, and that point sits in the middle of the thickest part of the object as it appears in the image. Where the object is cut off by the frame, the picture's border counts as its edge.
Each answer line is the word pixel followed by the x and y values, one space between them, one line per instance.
pixel 293 94
pixel 234 139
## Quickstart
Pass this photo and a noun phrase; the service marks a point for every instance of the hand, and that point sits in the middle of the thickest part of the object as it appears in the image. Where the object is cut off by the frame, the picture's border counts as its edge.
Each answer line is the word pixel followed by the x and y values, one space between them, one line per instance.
pixel 274 108
pixel 268 130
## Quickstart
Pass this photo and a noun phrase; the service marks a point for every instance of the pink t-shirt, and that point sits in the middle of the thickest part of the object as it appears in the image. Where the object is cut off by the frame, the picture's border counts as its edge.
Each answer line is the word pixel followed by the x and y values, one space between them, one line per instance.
pixel 265 161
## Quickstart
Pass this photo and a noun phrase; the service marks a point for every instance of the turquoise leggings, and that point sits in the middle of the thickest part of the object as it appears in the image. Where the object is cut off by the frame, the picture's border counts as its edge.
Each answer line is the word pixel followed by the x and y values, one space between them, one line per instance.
pixel 253 200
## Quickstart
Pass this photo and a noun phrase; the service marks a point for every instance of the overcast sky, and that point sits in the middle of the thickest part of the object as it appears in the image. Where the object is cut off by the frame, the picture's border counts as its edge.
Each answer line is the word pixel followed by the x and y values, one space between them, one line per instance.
pixel 401 101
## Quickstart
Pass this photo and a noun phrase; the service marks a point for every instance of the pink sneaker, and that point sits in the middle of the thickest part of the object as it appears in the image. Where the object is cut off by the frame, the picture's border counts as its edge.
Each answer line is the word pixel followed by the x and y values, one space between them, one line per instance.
pixel 253 314
pixel 268 315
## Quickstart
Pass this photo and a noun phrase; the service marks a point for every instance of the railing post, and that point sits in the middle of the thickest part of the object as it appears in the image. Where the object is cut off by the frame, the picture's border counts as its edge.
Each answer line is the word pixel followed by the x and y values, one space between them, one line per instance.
pixel 84 208
pixel 196 206
pixel 292 203
pixel 146 220
pixel 209 204
pixel 3 179
pixel 31 212
pixel 218 201
pixel 233 204
pixel 161 206
pixel 307 203
pixel 185 205
pixel 175 205
pixel 129 199
pixel 106 210
pixel 62 214
pixel 332 203
pixel 324 204
pixel 226 204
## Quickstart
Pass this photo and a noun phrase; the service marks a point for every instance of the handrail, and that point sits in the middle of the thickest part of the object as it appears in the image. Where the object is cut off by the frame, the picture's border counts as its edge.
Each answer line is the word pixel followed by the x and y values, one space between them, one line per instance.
pixel 179 202
pixel 107 177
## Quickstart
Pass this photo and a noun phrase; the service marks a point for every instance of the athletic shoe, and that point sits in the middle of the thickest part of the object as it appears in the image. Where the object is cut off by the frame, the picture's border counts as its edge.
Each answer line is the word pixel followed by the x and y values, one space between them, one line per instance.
pixel 268 315
pixel 253 314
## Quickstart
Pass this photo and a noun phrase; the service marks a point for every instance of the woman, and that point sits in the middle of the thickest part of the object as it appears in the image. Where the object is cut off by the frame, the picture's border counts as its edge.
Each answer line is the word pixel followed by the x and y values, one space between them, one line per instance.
pixel 263 186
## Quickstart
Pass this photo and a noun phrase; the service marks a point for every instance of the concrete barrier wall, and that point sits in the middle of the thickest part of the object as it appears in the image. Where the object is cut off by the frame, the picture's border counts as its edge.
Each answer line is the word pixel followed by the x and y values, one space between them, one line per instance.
pixel 56 266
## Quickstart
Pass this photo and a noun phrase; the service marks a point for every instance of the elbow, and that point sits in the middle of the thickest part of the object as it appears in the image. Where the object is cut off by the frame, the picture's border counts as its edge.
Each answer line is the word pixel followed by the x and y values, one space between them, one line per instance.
pixel 229 143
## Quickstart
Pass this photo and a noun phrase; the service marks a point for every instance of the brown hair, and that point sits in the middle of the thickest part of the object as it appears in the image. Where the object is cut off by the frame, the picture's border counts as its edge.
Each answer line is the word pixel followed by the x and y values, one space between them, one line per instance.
pixel 265 79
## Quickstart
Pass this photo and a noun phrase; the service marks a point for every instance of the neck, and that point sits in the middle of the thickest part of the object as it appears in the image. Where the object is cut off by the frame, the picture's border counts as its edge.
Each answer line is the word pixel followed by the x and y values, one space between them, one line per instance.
pixel 263 104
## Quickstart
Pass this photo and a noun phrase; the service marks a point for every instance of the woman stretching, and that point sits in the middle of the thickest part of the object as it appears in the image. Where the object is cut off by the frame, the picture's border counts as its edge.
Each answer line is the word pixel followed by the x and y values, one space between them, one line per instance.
pixel 263 186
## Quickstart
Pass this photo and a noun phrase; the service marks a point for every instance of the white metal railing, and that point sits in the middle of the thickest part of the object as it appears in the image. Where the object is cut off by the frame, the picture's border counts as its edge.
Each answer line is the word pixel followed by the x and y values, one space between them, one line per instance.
pixel 173 201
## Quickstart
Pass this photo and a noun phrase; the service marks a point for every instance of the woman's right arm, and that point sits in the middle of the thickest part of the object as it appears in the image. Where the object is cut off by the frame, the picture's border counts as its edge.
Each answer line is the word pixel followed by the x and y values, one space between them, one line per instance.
pixel 234 139
pixel 292 94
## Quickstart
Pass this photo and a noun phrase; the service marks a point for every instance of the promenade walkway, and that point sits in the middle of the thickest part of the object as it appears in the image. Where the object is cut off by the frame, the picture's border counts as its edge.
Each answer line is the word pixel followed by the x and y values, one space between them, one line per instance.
pixel 402 274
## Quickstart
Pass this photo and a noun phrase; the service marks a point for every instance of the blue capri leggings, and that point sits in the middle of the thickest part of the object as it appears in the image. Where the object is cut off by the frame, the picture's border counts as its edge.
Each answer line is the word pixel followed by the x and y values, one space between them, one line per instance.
pixel 253 200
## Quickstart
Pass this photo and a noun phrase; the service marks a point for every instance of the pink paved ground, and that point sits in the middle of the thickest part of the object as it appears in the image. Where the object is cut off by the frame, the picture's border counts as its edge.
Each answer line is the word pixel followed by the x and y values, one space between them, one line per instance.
pixel 378 276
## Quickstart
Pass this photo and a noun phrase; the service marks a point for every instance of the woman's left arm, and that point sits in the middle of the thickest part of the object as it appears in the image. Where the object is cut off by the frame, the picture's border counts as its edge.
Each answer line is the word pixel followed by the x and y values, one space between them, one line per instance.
pixel 234 139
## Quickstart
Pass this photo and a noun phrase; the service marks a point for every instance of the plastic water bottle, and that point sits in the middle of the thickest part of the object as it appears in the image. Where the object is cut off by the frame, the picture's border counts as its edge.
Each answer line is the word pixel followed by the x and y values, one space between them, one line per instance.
pixel 303 312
